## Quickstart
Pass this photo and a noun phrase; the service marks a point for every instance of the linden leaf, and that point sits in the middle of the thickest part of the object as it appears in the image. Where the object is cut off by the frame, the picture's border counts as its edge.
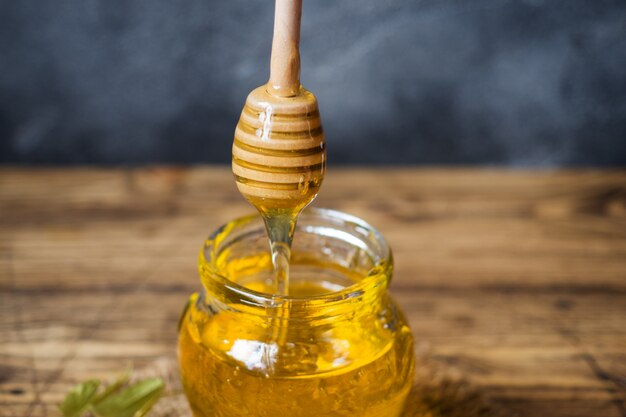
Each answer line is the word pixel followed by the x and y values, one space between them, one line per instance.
pixel 114 387
pixel 134 401
pixel 77 400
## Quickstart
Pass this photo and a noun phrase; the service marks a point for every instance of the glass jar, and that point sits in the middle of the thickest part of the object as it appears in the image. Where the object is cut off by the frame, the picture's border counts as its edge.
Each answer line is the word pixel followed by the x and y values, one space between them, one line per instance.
pixel 338 345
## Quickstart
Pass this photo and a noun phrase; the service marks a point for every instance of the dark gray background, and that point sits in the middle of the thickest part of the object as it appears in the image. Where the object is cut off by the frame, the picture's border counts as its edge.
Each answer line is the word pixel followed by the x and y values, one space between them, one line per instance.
pixel 522 83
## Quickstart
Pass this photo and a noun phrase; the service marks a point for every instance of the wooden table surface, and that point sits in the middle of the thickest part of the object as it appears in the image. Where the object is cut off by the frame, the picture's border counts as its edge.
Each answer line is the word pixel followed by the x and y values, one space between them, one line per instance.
pixel 514 280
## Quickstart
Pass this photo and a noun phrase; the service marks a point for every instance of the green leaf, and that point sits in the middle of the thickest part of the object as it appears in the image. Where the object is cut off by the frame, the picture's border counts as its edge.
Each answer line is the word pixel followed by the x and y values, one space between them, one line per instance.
pixel 78 398
pixel 134 401
pixel 114 387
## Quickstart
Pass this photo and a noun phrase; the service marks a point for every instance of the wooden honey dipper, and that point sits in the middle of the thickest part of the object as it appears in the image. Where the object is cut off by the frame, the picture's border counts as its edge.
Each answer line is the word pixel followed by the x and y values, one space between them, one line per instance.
pixel 279 154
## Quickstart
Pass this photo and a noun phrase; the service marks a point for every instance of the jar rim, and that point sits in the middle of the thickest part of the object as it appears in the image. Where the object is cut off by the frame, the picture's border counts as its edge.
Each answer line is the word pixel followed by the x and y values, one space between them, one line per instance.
pixel 379 275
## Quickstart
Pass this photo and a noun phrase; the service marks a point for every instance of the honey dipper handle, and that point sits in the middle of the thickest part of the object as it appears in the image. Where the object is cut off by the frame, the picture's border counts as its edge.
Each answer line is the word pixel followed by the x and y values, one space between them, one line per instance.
pixel 285 64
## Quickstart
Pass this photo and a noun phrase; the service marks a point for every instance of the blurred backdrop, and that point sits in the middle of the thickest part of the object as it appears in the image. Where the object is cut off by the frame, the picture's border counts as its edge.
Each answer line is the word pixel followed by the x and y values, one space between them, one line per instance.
pixel 517 83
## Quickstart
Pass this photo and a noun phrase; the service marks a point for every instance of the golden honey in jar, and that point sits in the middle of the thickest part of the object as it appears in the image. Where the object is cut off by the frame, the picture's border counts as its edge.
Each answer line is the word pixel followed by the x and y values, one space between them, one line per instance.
pixel 337 345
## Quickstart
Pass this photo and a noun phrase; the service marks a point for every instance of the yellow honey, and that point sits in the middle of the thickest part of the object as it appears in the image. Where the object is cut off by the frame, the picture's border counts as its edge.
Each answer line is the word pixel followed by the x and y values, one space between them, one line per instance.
pixel 336 346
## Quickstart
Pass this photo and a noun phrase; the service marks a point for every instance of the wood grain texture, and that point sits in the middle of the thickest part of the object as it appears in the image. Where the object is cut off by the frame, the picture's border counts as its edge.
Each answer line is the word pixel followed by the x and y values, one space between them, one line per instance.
pixel 516 280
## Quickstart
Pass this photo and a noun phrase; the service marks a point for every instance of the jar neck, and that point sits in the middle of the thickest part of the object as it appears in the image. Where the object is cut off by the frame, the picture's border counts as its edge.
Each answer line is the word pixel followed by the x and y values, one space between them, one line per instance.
pixel 362 298
pixel 332 247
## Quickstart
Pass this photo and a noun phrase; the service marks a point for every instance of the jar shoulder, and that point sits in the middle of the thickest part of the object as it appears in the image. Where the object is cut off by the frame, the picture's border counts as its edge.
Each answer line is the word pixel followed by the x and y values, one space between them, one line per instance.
pixel 301 347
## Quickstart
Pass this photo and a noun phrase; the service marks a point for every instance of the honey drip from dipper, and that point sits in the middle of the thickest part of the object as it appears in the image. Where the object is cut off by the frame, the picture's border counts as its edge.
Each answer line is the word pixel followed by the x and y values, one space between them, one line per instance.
pixel 279 161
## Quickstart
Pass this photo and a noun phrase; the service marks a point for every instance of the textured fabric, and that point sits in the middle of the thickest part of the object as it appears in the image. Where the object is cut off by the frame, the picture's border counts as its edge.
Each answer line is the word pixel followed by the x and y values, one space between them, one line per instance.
pixel 522 83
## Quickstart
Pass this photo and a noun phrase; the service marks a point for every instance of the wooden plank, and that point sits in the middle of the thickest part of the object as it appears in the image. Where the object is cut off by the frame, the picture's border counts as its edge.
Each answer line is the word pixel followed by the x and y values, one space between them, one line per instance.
pixel 514 281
